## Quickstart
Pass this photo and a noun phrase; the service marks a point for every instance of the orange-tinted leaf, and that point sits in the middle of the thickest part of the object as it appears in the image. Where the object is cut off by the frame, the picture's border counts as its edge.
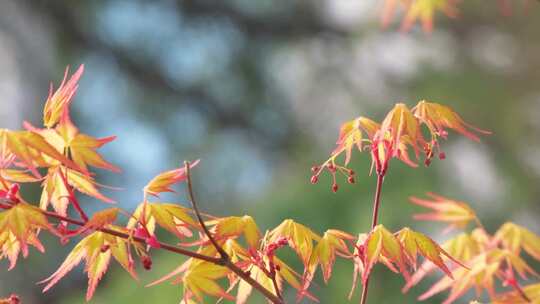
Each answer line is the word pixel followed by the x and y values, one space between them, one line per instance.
pixel 424 10
pixel 101 219
pixel 457 214
pixel 234 226
pixel 300 238
pixel 96 249
pixel 515 237
pixel 19 226
pixel 382 243
pixel 163 181
pixel 325 251
pixel 532 291
pixel 31 147
pixel 58 102
pixel 54 190
pixel 17 176
pixel 416 243
pixel 438 117
pixel 201 278
pixel 171 217
pixel 400 127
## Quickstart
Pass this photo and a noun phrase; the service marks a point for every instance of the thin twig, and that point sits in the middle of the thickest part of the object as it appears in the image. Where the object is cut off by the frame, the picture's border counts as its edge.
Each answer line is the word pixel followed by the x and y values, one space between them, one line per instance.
pixel 72 197
pixel 222 252
pixel 374 221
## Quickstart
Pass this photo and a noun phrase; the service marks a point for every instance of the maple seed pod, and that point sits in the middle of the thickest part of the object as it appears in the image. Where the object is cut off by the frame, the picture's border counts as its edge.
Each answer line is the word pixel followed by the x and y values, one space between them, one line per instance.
pixel 351 180
pixel 314 179
pixel 335 188
pixel 442 155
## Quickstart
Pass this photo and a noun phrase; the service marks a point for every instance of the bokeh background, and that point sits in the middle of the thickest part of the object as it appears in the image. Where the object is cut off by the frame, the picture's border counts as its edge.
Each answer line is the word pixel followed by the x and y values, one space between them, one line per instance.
pixel 257 90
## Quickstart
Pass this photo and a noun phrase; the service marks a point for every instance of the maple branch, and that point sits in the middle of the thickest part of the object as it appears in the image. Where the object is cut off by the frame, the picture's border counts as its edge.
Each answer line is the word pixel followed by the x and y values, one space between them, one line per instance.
pixel 6 204
pixel 374 220
pixel 222 252
pixel 225 259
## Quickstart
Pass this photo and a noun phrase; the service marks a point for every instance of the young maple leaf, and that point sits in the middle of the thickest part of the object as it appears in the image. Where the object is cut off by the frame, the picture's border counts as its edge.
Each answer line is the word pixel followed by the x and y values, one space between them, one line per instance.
pixel 300 238
pixel 515 237
pixel 438 117
pixel 485 268
pixel 19 226
pixel 200 278
pixel 331 243
pixel 58 102
pixel 171 217
pixel 66 138
pixel 234 226
pixel 96 249
pixel 462 247
pixel 382 243
pixel 100 219
pixel 31 149
pixel 163 181
pixel 456 214
pixel 55 193
pixel 425 10
pixel 415 243
pixel 532 291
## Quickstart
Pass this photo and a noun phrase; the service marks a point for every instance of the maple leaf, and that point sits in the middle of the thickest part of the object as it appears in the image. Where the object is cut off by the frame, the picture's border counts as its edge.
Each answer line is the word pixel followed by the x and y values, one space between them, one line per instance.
pixel 96 249
pixel 55 193
pixel 462 247
pixel 58 102
pixel 171 217
pixel 100 219
pixel 382 243
pixel 424 10
pixel 200 278
pixel 300 238
pixel 32 150
pixel 515 237
pixel 532 291
pixel 438 117
pixel 485 268
pixel 19 226
pixel 234 226
pixel 66 138
pixel 163 181
pixel 415 243
pixel 457 214
pixel 324 254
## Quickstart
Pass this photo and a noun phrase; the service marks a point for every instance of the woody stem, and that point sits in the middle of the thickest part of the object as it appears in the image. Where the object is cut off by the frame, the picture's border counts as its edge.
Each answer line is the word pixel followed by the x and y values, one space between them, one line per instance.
pixel 374 221
pixel 225 259
pixel 6 204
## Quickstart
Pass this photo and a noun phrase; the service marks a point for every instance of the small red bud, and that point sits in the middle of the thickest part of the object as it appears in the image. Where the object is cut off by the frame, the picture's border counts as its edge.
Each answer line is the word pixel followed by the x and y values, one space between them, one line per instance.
pixel 314 179
pixel 335 188
pixel 14 189
pixel 351 180
pixel 442 155
pixel 427 162
pixel 147 262
pixel 278 268
pixel 351 172
pixel 104 248
pixel 315 169
pixel 14 299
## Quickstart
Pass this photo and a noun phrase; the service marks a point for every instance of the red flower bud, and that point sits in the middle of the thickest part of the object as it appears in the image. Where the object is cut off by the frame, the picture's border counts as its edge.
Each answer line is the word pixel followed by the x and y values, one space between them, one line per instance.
pixel 315 169
pixel 335 187
pixel 147 262
pixel 442 155
pixel 314 179
pixel 351 180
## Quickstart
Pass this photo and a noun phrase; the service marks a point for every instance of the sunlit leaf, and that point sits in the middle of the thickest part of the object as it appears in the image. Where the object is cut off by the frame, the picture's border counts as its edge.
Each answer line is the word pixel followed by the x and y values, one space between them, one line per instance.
pixel 163 181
